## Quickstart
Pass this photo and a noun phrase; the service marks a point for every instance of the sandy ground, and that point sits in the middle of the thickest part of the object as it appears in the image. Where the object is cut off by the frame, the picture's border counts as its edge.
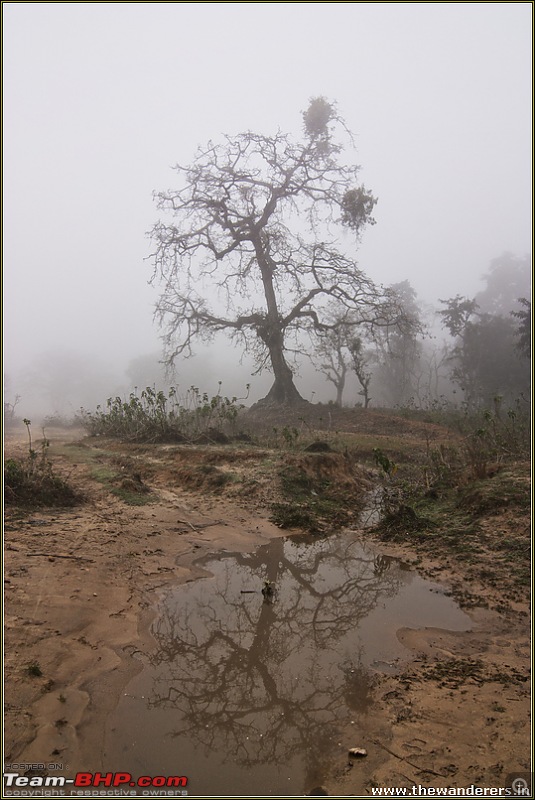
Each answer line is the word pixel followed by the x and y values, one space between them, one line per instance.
pixel 458 716
pixel 79 588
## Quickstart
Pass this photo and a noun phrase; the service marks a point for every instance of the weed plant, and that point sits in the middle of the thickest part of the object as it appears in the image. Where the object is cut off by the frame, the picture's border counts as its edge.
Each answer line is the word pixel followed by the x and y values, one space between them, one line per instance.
pixel 488 440
pixel 31 481
pixel 499 432
pixel 156 417
pixel 440 501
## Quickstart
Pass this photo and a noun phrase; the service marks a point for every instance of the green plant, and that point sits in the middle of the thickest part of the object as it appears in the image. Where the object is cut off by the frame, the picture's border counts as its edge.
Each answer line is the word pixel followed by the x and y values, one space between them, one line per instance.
pixel 124 481
pixel 290 435
pixel 157 417
pixel 382 460
pixel 32 482
pixel 487 440
pixel 497 434
pixel 133 496
pixel 34 669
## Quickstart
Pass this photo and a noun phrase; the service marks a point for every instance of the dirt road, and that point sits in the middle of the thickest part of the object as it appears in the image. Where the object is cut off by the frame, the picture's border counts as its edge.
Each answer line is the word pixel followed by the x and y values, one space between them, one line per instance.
pixel 80 589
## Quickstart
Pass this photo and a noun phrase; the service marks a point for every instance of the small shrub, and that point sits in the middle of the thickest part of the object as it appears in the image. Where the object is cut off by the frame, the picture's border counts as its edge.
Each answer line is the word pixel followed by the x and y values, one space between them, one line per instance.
pixel 133 497
pixel 290 516
pixel 32 482
pixel 34 669
pixel 157 417
pixel 492 439
pixel 384 462
pixel 402 522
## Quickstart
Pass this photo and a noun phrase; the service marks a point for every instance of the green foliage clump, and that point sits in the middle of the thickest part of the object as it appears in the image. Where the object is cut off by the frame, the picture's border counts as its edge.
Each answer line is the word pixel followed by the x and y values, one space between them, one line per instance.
pixel 498 433
pixel 382 460
pixel 157 417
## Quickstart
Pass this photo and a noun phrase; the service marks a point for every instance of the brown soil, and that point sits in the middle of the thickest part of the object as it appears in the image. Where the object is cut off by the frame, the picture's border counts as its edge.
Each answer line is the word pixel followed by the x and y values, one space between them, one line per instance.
pixel 80 586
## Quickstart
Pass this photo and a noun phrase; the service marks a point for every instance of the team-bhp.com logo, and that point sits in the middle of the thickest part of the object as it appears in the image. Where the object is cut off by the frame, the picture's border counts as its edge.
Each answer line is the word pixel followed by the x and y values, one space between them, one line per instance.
pixel 85 780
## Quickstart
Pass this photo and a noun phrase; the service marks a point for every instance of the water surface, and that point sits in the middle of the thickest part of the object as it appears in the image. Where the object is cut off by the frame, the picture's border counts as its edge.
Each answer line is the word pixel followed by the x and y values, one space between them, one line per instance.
pixel 246 695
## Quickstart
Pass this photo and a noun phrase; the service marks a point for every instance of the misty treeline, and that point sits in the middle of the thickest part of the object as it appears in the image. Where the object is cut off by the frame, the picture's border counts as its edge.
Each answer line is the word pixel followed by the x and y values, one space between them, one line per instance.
pixel 466 351
pixel 258 244
pixel 460 352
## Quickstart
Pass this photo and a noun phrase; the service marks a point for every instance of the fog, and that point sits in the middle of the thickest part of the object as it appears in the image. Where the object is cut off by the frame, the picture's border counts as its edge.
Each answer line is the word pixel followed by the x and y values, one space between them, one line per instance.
pixel 102 99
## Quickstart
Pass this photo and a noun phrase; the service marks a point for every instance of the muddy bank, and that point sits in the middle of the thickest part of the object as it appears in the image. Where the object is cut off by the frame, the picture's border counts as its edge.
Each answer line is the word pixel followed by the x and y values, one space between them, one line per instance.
pixel 80 589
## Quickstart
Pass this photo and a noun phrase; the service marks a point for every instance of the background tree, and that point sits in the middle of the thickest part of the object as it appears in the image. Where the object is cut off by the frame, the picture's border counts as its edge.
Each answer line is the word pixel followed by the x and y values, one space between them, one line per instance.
pixel 458 314
pixel 334 361
pixel 332 350
pixel 399 349
pixel 523 328
pixel 485 358
pixel 148 370
pixel 360 361
pixel 10 405
pixel 57 382
pixel 508 278
pixel 352 343
pixel 252 230
pixel 431 377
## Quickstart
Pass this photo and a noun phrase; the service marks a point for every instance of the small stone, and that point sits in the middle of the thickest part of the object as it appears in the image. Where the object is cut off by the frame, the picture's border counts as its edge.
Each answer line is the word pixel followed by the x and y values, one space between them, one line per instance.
pixel 357 752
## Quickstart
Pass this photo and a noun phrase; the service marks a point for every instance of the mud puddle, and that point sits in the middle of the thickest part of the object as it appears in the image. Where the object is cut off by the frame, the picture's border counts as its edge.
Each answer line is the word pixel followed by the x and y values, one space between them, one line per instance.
pixel 243 693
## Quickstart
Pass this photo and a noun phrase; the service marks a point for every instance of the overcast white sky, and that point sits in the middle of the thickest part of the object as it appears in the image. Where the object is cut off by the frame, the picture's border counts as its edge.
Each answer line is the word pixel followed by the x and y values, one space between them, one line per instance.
pixel 101 99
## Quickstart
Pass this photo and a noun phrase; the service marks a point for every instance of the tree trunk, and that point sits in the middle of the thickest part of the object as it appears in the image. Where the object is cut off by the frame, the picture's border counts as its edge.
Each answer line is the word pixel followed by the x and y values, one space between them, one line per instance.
pixel 282 393
pixel 340 386
pixel 284 390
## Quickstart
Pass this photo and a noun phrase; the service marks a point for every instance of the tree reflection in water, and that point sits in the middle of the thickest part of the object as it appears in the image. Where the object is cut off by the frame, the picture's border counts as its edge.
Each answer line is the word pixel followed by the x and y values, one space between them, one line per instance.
pixel 266 681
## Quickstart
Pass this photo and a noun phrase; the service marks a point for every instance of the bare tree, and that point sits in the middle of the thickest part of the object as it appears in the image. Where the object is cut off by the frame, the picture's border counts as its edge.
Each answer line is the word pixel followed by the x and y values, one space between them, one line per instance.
pixel 341 347
pixel 332 354
pixel 360 361
pixel 9 410
pixel 398 349
pixel 485 361
pixel 253 229
pixel 431 374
